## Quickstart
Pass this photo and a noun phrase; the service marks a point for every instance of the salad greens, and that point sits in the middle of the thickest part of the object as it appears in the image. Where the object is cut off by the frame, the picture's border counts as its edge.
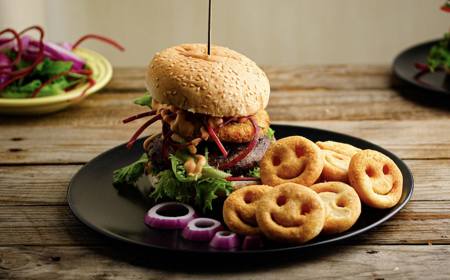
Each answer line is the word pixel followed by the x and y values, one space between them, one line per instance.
pixel 439 55
pixel 145 100
pixel 31 67
pixel 175 184
pixel 255 172
pixel 270 133
pixel 24 88
pixel 128 175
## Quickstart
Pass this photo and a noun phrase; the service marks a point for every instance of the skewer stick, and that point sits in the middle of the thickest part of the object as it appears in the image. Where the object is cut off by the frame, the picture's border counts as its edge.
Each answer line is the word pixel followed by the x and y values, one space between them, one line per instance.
pixel 209 27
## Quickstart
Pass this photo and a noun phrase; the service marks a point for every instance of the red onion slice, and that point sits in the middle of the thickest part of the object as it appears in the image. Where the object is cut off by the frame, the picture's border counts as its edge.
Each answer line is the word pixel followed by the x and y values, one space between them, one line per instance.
pixel 169 215
pixel 201 229
pixel 225 240
pixel 252 242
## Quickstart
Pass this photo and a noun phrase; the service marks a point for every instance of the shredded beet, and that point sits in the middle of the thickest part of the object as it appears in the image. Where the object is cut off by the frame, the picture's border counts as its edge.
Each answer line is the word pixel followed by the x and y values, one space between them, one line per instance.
pixel 91 82
pixel 216 139
pixel 19 74
pixel 100 38
pixel 141 129
pixel 247 150
pixel 138 116
pixel 81 71
pixel 241 179
pixel 19 46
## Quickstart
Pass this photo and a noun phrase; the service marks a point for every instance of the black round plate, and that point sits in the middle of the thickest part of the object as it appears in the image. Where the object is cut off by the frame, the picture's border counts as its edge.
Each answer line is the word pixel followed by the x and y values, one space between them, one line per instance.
pixel 97 203
pixel 404 69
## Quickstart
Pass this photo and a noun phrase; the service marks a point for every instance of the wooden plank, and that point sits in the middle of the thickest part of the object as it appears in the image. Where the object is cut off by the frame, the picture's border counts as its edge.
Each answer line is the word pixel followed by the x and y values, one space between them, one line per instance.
pixel 286 77
pixel 35 185
pixel 337 262
pixel 302 105
pixel 427 139
pixel 47 185
pixel 420 222
pixel 306 105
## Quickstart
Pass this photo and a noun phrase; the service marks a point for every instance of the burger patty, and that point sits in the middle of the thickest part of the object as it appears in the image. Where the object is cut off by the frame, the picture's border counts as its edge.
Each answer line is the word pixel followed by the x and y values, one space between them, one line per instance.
pixel 215 158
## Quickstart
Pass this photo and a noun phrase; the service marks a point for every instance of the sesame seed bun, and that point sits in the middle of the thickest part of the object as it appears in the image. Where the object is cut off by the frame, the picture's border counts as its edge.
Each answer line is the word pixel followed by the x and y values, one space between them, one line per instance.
pixel 224 84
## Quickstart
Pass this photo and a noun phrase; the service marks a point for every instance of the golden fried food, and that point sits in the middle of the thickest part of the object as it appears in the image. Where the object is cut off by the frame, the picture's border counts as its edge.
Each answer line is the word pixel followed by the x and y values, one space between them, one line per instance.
pixel 237 132
pixel 292 159
pixel 342 205
pixel 290 213
pixel 239 209
pixel 190 126
pixel 376 178
pixel 336 157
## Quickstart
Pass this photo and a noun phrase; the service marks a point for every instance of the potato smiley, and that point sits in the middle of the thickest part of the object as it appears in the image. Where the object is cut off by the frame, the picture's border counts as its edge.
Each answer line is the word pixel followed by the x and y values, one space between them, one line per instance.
pixel 292 159
pixel 290 213
pixel 239 209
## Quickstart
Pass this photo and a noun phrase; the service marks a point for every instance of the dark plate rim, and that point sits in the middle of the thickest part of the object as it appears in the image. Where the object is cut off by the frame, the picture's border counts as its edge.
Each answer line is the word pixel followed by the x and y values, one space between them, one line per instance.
pixel 395 210
pixel 395 66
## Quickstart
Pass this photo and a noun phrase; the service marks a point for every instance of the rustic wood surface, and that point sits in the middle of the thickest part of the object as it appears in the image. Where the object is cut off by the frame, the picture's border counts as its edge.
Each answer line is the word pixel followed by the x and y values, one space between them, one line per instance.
pixel 41 239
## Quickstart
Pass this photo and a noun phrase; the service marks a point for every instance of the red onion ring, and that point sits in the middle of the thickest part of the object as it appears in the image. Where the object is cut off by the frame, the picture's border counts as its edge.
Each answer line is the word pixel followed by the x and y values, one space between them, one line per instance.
pixel 252 242
pixel 201 229
pixel 225 240
pixel 158 220
pixel 247 150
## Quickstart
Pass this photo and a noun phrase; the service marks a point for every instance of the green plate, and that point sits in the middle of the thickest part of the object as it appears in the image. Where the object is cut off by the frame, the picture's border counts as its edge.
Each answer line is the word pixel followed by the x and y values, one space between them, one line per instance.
pixel 101 73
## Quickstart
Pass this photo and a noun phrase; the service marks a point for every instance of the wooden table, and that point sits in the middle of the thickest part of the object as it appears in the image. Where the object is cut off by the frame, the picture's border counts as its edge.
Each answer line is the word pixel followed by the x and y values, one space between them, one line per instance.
pixel 41 239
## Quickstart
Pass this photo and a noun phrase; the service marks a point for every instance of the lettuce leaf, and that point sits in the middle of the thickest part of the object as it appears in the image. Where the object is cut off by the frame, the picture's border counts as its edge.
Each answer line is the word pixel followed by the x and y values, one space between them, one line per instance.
pixel 128 175
pixel 201 189
pixel 202 192
pixel 255 172
pixel 145 100
pixel 51 68
pixel 270 133
pixel 439 55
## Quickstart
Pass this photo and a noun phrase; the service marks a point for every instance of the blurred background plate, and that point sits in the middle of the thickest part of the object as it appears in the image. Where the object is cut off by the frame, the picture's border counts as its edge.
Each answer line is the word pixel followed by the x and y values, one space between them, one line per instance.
pixel 101 72
pixel 404 69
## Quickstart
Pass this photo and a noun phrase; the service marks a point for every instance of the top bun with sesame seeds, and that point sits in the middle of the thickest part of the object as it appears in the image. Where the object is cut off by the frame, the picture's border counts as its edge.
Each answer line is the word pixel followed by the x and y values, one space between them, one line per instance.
pixel 223 84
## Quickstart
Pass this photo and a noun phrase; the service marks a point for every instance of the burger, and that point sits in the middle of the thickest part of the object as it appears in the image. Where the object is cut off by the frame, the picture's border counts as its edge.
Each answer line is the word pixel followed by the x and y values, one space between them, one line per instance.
pixel 215 128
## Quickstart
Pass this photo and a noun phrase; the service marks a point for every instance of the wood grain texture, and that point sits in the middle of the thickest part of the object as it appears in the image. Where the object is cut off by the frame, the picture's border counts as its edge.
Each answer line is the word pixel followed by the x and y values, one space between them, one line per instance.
pixel 39 155
pixel 343 262
pixel 47 184
pixel 286 77
pixel 78 144
pixel 420 222
pixel 304 105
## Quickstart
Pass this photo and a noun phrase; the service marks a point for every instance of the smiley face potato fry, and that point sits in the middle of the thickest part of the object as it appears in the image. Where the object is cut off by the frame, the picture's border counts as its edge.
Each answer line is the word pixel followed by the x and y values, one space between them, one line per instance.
pixel 336 158
pixel 290 213
pixel 292 159
pixel 376 178
pixel 239 209
pixel 342 205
